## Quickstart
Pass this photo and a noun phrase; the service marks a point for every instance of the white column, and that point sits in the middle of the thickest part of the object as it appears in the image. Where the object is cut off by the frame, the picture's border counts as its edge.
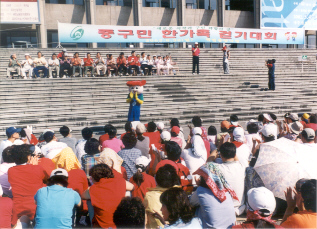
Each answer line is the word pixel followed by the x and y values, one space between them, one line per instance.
pixel 41 29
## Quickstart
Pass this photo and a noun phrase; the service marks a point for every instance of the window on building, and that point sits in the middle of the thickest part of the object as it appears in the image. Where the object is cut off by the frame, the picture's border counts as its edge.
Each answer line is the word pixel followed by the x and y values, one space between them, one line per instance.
pixel 52 38
pixel 9 37
pixel 75 2
pixel 191 4
pixel 241 5
pixel 208 4
pixel 311 41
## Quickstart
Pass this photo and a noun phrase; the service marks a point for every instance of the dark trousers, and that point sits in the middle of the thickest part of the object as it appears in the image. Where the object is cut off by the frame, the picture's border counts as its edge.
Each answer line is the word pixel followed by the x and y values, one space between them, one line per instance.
pixel 65 67
pixel 134 67
pixel 271 82
pixel 122 67
pixel 149 67
pixel 196 63
pixel 36 71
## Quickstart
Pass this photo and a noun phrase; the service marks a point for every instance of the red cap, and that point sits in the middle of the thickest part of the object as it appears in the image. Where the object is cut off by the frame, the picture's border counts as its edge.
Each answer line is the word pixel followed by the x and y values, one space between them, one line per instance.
pixel 224 48
pixel 136 83
pixel 175 129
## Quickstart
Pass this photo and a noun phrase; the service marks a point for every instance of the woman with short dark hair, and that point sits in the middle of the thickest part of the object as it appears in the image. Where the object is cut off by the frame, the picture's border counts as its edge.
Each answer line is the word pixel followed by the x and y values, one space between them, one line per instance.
pixel 55 202
pixel 176 210
pixel 108 188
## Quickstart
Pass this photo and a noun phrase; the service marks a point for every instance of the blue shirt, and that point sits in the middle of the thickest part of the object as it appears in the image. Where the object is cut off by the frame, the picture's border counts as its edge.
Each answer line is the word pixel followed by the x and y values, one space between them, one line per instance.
pixel 212 212
pixel 55 207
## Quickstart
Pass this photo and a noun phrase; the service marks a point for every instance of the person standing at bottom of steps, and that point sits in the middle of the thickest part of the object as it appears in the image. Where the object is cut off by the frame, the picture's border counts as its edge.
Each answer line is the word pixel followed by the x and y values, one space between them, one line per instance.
pixel 196 52
pixel 226 57
pixel 271 66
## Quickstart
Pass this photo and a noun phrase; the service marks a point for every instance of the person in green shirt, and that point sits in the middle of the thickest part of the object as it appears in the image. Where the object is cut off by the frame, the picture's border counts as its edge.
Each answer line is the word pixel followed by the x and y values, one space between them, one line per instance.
pixel 13 65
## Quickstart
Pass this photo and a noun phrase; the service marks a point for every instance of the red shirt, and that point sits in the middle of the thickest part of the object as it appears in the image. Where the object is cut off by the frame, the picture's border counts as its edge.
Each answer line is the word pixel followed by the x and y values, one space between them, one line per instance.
pixel 6 212
pixel 88 62
pixel 197 52
pixel 34 140
pixel 182 172
pixel 25 181
pixel 312 126
pixel 124 173
pixel 134 60
pixel 103 138
pixel 60 55
pixel 47 164
pixel 121 61
pixel 105 197
pixel 149 182
pixel 77 180
pixel 155 137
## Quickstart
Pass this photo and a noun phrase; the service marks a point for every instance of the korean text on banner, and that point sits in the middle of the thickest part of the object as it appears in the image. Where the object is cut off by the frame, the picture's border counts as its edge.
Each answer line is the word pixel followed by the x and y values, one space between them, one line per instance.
pixel 289 14
pixel 80 33
pixel 20 12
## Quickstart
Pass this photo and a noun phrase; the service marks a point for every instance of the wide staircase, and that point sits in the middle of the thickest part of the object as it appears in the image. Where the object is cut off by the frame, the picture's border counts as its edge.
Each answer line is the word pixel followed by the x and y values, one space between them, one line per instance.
pixel 81 102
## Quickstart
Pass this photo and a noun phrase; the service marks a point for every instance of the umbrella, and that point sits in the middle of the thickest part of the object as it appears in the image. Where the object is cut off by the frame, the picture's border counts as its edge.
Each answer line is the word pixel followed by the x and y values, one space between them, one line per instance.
pixel 281 163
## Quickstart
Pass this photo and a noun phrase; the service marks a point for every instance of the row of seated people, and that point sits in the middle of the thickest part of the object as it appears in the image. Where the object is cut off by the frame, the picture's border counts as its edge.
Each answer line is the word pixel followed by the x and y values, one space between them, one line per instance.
pixel 66 66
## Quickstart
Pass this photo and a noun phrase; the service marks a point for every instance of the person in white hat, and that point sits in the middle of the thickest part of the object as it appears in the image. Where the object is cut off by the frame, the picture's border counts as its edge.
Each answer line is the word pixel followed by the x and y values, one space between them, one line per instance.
pixel 27 66
pixel 55 203
pixel 160 126
pixel 61 55
pixel 260 207
pixel 65 65
pixel 141 180
pixel 243 150
pixel 196 52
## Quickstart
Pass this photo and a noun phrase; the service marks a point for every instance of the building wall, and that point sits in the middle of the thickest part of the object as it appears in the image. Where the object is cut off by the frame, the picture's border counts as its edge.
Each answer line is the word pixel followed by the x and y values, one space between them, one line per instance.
pixel 196 17
pixel 114 15
pixel 65 13
pixel 158 16
pixel 239 19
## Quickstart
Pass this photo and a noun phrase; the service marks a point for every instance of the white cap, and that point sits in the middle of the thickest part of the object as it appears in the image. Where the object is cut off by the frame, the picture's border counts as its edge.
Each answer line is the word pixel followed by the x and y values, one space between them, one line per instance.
pixel 140 128
pixel 261 198
pixel 293 116
pixel 296 127
pixel 160 125
pixel 166 136
pixel 197 130
pixel 59 172
pixel 26 54
pixel 269 130
pixel 143 160
pixel 310 133
pixel 196 43
pixel 18 142
pixel 238 134
pixel 268 117
pixel 64 50
pixel 1 191
pixel 134 124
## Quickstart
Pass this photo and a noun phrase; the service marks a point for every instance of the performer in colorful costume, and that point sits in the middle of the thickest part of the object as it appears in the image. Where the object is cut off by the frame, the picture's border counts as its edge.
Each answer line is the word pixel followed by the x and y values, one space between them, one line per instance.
pixel 135 98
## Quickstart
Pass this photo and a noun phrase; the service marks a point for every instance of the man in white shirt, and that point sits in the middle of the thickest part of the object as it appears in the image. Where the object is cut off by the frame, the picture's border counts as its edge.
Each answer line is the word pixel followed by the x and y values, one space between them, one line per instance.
pixel 53 64
pixel 80 147
pixel 101 64
pixel 12 134
pixel 234 173
pixel 27 66
pixel 40 64
pixel 53 147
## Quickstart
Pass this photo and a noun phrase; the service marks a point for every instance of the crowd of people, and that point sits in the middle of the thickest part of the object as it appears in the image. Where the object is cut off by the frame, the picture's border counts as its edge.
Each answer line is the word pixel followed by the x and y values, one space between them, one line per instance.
pixel 66 65
pixel 153 176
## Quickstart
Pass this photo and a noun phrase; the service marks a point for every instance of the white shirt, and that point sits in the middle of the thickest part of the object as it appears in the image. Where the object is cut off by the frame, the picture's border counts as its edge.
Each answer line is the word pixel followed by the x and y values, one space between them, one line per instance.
pixel 40 62
pixel 100 61
pixel 234 173
pixel 52 62
pixel 4 144
pixel 27 63
pixel 6 186
pixel 192 162
pixel 249 138
pixel 144 60
pixel 243 153
pixel 80 149
pixel 51 149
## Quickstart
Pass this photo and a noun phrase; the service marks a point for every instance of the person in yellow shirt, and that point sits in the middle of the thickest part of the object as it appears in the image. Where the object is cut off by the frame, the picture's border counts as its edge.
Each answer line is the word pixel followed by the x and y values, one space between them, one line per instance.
pixel 305 199
pixel 166 177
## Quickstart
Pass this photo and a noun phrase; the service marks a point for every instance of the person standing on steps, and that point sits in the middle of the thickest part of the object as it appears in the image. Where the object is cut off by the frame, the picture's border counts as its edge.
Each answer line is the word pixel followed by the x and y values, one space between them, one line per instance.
pixel 271 66
pixel 196 52
pixel 226 57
